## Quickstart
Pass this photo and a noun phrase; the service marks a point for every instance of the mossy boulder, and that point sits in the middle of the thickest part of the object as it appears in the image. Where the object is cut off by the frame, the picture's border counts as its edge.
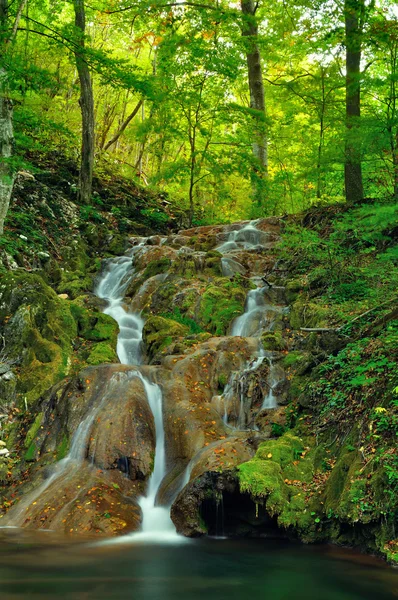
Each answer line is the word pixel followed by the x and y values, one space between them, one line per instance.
pixel 117 245
pixel 293 289
pixel 155 267
pixel 159 332
pixel 308 314
pixel 273 341
pixel 75 283
pixel 93 325
pixel 221 302
pixel 39 329
pixel 102 353
pixel 275 476
pixel 98 330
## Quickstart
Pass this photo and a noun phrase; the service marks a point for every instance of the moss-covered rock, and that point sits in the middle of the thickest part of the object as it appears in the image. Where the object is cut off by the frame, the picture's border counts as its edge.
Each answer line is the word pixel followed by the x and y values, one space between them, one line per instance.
pixel 75 284
pixel 275 477
pixel 221 302
pixel 308 314
pixel 159 332
pixel 293 289
pixel 273 341
pixel 102 353
pixel 39 329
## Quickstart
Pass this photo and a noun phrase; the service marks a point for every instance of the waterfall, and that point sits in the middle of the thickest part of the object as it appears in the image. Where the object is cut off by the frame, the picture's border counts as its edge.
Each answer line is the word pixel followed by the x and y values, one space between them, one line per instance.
pixel 156 521
pixel 272 380
pixel 249 323
pixel 258 317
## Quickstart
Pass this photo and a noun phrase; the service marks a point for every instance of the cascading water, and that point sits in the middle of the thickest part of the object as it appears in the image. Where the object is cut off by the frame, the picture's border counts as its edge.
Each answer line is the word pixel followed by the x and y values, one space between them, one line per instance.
pixel 249 323
pixel 258 317
pixel 68 466
pixel 156 523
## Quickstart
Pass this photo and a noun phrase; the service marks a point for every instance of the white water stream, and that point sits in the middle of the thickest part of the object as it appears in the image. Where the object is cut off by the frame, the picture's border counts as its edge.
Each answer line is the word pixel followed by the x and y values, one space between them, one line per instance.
pixel 156 523
pixel 258 317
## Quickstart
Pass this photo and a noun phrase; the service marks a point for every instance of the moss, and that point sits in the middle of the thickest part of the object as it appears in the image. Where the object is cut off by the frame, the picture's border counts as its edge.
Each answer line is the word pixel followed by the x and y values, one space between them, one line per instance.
pixel 30 436
pixel 273 341
pixel 93 326
pixel 307 314
pixel 117 245
pixel 160 332
pixel 156 267
pixel 275 477
pixel 30 454
pixel 293 288
pixel 103 352
pixel 75 284
pixel 39 332
pixel 221 303
pixel 63 447
pixel 222 380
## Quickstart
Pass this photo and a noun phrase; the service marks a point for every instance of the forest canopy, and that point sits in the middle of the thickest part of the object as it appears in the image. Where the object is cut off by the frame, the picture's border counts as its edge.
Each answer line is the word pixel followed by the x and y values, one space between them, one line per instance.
pixel 233 110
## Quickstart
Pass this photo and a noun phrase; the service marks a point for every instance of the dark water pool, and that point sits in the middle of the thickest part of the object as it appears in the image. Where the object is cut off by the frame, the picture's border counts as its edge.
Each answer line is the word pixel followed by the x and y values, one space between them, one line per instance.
pixel 198 570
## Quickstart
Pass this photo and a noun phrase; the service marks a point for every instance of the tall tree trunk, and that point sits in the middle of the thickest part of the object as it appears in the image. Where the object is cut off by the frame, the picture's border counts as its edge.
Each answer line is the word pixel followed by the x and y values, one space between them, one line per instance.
pixel 395 166
pixel 87 109
pixel 353 13
pixel 257 99
pixel 7 174
pixel 321 136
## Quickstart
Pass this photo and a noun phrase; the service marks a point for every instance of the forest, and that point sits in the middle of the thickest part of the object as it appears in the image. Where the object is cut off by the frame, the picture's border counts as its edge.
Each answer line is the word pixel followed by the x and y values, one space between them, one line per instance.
pixel 231 111
pixel 198 299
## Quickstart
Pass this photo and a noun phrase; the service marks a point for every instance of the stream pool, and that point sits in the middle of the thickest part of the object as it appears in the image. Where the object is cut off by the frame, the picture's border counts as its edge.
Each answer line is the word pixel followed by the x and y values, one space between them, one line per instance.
pixel 210 569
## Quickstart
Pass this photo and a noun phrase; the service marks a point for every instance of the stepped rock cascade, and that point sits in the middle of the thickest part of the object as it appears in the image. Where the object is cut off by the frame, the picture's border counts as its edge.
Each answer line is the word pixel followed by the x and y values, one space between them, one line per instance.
pixel 260 316
pixel 156 519
pixel 143 444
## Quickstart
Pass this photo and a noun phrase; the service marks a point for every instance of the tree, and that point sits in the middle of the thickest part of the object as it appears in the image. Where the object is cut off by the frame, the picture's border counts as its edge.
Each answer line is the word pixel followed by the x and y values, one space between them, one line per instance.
pixel 257 98
pixel 87 108
pixel 354 13
pixel 8 31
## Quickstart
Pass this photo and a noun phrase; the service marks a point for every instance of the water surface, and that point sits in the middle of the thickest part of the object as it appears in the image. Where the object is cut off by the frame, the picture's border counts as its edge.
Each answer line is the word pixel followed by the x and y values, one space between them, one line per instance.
pixel 198 570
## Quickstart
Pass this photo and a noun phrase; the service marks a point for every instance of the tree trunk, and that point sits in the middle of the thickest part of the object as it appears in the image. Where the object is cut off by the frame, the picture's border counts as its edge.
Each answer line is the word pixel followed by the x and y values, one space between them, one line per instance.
pixel 87 109
pixel 321 137
pixel 395 166
pixel 257 99
pixel 7 175
pixel 353 12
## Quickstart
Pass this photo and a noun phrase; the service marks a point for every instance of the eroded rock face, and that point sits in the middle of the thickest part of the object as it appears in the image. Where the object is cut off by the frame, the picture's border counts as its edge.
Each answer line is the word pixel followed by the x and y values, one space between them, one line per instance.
pixel 214 505
pixel 100 428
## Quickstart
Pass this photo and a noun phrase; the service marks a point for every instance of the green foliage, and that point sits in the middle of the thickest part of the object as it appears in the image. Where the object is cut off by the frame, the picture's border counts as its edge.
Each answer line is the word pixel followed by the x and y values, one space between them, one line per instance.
pixel 177 316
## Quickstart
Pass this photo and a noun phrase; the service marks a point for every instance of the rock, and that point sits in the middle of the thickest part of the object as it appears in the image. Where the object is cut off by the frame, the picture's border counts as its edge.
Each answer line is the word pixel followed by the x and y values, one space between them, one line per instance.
pixel 2 443
pixel 23 237
pixel 115 456
pixel 4 452
pixel 159 332
pixel 63 296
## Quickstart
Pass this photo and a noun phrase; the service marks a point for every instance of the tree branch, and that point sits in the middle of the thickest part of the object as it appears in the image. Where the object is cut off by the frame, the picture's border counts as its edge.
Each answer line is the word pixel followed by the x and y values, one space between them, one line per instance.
pixel 123 126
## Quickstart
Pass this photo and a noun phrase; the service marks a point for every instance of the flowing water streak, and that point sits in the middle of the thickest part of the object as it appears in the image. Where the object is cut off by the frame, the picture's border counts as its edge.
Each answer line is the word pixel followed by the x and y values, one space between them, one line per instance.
pixel 68 466
pixel 270 400
pixel 256 319
pixel 237 384
pixel 156 523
